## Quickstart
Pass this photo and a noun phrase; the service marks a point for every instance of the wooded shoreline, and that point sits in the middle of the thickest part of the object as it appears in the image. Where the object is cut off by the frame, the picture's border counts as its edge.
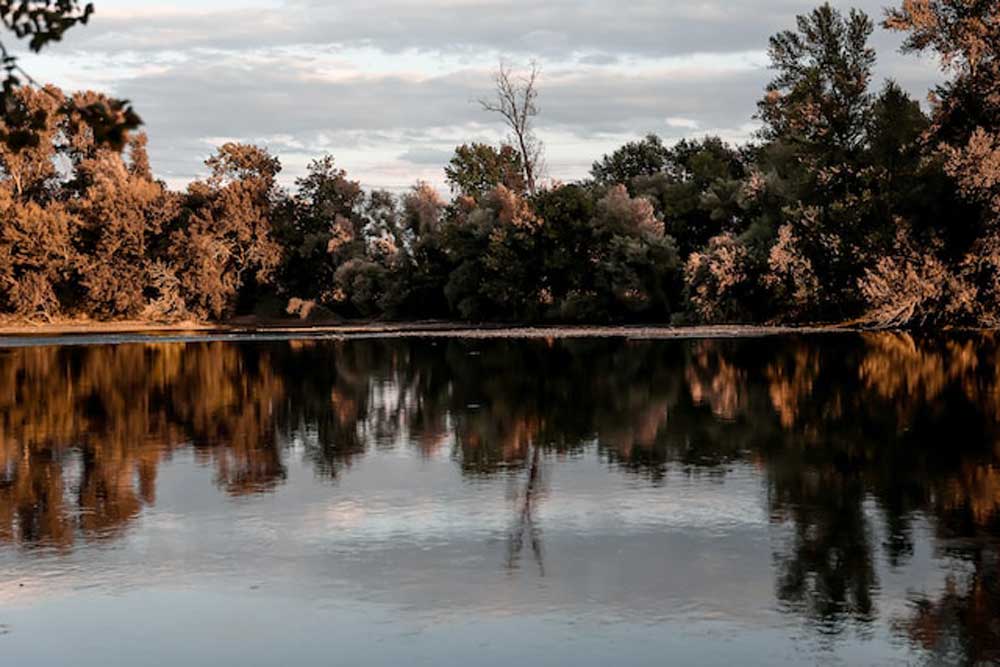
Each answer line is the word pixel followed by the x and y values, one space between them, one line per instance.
pixel 851 203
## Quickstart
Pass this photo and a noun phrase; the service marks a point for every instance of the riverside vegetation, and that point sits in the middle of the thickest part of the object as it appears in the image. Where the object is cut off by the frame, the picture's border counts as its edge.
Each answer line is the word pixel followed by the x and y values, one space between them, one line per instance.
pixel 851 204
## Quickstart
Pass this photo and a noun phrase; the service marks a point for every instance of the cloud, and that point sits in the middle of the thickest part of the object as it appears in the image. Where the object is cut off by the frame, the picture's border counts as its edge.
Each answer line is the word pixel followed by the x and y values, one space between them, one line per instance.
pixel 682 123
pixel 418 120
pixel 388 86
pixel 553 28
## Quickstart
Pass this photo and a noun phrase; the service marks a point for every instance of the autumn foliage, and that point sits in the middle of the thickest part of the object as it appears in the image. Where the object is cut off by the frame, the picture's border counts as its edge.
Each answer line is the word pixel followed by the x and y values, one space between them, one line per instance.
pixel 852 204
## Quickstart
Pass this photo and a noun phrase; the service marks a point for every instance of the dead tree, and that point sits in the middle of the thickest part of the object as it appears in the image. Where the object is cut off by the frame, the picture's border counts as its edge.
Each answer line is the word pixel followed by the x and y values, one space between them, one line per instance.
pixel 515 101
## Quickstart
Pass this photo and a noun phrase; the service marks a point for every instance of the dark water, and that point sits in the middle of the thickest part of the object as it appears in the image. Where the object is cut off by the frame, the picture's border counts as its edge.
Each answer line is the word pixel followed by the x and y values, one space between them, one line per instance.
pixel 582 502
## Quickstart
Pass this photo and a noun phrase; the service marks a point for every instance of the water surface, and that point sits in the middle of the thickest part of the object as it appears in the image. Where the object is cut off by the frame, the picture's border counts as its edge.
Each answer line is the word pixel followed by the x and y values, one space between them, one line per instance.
pixel 784 500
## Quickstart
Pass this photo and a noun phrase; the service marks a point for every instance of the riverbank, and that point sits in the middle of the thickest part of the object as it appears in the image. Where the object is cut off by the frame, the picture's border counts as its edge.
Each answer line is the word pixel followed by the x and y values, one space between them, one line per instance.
pixel 366 329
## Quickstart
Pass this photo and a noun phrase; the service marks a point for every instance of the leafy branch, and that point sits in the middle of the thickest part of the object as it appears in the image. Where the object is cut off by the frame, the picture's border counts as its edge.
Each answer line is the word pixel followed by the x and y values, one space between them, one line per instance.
pixel 41 22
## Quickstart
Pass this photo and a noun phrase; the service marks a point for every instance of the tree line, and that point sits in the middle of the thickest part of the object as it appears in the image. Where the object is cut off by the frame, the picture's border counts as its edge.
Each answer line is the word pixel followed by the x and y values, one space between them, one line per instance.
pixel 851 204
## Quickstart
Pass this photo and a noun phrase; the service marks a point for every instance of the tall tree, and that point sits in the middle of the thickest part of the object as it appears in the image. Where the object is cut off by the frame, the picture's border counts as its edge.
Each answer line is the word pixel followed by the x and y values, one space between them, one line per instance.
pixel 965 34
pixel 966 114
pixel 317 228
pixel 516 101
pixel 819 99
pixel 816 111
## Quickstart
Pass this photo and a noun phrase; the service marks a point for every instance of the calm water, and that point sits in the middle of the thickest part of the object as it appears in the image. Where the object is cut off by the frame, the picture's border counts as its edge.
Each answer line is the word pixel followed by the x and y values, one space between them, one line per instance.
pixel 495 502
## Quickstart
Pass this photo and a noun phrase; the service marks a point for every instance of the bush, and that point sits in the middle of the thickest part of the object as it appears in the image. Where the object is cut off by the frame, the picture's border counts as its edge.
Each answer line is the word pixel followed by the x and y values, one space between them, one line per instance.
pixel 915 288
pixel 716 278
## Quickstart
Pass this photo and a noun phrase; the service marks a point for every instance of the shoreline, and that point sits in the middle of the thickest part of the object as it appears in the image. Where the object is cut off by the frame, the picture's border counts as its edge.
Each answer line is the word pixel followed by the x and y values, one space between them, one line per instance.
pixel 17 333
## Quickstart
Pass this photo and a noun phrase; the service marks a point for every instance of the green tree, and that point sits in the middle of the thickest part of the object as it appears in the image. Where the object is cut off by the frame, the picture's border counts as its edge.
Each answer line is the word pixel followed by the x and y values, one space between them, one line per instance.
pixel 476 169
pixel 819 99
pixel 417 282
pixel 960 280
pixel 646 157
pixel 697 193
pixel 494 249
pixel 817 109
pixel 318 227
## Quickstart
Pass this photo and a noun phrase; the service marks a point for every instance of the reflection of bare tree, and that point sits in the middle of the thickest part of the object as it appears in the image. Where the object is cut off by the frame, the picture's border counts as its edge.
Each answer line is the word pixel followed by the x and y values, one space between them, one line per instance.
pixel 525 525
pixel 902 425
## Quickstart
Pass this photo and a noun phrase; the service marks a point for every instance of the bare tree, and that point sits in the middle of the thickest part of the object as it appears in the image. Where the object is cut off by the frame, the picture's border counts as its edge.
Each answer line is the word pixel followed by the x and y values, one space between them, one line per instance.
pixel 516 101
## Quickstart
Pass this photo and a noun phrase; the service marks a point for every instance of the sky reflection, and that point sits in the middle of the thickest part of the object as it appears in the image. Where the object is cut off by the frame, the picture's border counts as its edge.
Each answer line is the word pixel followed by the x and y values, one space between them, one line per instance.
pixel 771 501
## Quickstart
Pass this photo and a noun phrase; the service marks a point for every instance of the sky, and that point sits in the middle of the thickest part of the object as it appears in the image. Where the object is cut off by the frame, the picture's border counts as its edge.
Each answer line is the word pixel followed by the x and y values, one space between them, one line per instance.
pixel 389 87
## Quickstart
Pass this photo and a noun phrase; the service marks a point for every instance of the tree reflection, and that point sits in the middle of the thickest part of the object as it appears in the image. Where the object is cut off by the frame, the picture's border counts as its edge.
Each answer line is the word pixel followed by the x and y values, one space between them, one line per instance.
pixel 525 526
pixel 857 437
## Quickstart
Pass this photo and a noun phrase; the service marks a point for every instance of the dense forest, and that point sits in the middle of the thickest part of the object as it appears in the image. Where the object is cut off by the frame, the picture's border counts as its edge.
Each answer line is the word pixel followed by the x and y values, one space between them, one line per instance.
pixel 851 204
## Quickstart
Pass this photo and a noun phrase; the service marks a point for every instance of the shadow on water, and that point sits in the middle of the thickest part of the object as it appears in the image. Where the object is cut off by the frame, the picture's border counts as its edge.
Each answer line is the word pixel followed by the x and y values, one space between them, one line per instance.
pixel 855 438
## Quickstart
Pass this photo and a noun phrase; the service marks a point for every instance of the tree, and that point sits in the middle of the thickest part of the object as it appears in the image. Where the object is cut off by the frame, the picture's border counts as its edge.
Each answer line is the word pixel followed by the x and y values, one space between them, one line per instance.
pixel 322 216
pixel 697 191
pixel 417 282
pixel 819 99
pixel 816 116
pixel 41 21
pixel 36 232
pixel 30 168
pixel 516 101
pixel 121 212
pixel 966 114
pixel 222 244
pixel 717 280
pixel 646 157
pixel 964 34
pixel 965 122
pixel 477 169
pixel 495 253
pixel 604 255
pixel 567 237
pixel 36 255
pixel 79 222
pixel 632 258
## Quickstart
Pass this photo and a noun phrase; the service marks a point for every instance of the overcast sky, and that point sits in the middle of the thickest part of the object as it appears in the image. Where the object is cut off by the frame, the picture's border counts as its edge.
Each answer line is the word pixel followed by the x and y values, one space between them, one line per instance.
pixel 388 86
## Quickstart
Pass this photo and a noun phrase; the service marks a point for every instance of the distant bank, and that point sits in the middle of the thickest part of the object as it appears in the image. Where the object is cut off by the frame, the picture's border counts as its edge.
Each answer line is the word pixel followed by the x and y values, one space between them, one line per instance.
pixel 364 329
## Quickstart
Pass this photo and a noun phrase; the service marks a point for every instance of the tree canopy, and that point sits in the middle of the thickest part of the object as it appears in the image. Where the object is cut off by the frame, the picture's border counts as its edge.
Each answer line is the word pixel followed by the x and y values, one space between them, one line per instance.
pixel 852 203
